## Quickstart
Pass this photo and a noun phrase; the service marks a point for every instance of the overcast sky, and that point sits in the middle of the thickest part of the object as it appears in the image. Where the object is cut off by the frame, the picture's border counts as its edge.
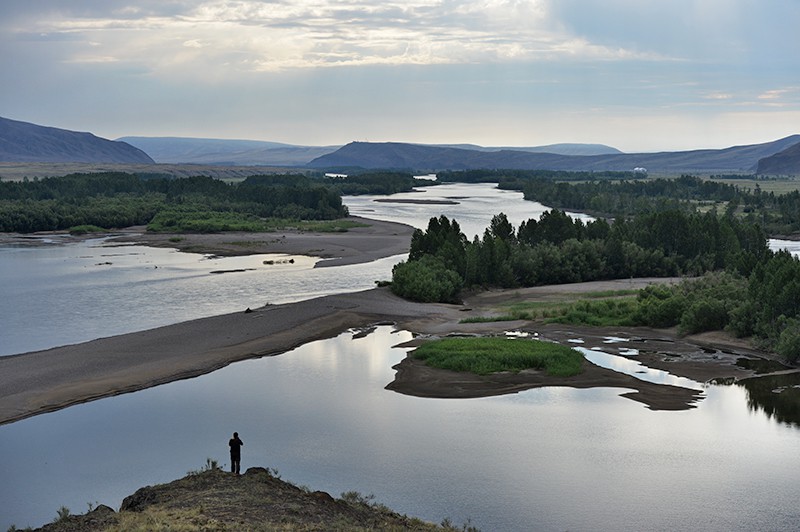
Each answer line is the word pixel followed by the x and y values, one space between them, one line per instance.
pixel 640 75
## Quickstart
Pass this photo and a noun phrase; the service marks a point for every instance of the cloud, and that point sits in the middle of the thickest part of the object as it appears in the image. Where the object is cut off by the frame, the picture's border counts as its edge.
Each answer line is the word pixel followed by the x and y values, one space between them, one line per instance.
pixel 474 66
pixel 250 35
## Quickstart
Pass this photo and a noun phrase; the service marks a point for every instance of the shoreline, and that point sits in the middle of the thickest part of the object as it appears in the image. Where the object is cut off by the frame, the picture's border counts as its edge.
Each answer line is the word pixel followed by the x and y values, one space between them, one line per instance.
pixel 45 381
pixel 376 240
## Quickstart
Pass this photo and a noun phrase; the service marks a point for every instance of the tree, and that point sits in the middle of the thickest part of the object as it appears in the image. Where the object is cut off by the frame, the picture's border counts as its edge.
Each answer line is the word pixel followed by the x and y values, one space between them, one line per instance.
pixel 426 280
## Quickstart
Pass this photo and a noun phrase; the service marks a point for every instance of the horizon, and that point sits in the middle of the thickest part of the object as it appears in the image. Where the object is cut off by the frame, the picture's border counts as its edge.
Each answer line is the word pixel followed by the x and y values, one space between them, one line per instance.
pixel 451 144
pixel 641 78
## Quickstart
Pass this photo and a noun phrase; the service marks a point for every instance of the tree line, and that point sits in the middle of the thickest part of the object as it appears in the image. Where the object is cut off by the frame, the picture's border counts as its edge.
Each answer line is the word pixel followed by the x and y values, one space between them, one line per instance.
pixel 376 183
pixel 617 194
pixel 760 295
pixel 115 200
pixel 522 176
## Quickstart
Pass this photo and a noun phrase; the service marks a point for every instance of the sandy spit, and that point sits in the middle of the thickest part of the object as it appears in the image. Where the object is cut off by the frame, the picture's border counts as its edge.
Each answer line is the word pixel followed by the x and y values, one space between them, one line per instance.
pixel 44 381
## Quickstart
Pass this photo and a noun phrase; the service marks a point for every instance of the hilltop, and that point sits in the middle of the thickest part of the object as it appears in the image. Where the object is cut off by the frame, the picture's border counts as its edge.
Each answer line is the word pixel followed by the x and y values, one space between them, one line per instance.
pixel 26 142
pixel 258 500
pixel 785 162
pixel 395 155
pixel 183 150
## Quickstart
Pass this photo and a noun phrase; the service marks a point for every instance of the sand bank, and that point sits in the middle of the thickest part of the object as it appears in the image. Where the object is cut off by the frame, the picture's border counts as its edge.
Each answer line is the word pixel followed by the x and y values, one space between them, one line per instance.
pixel 43 381
pixel 376 240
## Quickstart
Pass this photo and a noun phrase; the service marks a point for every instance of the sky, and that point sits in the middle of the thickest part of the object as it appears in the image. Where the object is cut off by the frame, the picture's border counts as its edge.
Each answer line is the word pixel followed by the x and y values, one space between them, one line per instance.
pixel 639 75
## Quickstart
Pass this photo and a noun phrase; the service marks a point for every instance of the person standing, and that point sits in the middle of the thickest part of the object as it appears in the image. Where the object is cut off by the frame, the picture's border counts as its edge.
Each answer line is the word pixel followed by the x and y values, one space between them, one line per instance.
pixel 236 452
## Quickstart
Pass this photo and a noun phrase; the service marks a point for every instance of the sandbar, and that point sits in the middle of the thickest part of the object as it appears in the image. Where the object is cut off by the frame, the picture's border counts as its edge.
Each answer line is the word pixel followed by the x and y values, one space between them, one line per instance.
pixel 375 240
pixel 44 381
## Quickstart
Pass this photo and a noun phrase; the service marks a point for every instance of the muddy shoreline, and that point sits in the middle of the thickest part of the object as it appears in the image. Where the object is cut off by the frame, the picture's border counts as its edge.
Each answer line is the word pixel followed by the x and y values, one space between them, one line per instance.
pixel 45 381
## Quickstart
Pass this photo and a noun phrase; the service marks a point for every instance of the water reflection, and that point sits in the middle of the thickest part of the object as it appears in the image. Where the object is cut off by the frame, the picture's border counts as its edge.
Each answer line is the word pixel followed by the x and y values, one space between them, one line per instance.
pixel 636 369
pixel 546 459
pixel 471 205
pixel 778 396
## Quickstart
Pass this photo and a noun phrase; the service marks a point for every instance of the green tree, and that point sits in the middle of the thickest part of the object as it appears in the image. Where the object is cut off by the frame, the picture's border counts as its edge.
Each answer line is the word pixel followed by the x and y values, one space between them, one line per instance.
pixel 426 280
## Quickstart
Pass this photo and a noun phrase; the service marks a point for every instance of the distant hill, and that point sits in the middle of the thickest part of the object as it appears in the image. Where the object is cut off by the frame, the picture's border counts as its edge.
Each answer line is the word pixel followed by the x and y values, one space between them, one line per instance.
pixel 183 150
pixel 393 155
pixel 26 142
pixel 786 162
pixel 559 149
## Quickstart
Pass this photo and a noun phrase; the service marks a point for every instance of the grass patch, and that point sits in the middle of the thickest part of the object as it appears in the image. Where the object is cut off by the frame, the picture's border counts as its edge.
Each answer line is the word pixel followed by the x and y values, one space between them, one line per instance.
pixel 168 520
pixel 330 226
pixel 604 313
pixel 603 308
pixel 86 229
pixel 484 356
pixel 489 319
pixel 602 294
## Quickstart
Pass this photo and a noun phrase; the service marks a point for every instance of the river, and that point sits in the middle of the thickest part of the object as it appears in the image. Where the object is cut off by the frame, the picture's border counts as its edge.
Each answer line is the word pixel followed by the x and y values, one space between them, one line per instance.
pixel 547 459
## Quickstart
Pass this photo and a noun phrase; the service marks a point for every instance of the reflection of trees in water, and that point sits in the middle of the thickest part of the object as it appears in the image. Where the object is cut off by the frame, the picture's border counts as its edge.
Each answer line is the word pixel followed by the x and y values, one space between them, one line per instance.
pixel 778 396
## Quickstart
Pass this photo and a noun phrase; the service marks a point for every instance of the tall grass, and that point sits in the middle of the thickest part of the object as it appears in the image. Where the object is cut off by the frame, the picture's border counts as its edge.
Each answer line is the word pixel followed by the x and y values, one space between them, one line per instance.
pixel 602 309
pixel 602 313
pixel 484 356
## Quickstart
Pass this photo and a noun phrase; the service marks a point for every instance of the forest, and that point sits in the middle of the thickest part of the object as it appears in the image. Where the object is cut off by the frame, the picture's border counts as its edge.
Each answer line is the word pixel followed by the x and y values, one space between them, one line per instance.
pixel 193 204
pixel 619 194
pixel 737 284
pixel 116 200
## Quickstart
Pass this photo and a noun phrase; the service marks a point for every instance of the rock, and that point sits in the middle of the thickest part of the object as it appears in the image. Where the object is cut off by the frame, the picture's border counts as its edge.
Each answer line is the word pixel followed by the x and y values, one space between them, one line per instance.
pixel 141 499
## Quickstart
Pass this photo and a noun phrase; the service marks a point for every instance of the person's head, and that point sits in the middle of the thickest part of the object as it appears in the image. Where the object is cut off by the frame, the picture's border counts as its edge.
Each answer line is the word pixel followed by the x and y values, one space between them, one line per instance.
pixel 235 434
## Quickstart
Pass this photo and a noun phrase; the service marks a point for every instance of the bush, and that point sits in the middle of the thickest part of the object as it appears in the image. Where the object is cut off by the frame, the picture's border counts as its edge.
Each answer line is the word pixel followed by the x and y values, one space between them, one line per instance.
pixel 704 315
pixel 788 345
pixel 660 306
pixel 426 280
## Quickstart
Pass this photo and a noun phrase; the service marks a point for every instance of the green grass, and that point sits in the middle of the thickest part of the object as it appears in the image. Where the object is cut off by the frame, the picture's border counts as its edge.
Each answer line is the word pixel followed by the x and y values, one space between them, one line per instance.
pixel 603 313
pixel 484 356
pixel 603 309
pixel 602 294
pixel 328 226
pixel 777 186
pixel 86 229
pixel 490 319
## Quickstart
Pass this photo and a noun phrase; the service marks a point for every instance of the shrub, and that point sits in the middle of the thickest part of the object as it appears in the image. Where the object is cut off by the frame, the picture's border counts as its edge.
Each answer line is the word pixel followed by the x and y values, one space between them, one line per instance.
pixel 704 315
pixel 788 345
pixel 426 280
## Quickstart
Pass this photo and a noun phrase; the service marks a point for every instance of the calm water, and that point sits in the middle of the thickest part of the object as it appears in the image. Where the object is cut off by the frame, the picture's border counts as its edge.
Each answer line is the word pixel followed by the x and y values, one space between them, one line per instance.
pixel 549 459
pixel 58 295
pixel 473 208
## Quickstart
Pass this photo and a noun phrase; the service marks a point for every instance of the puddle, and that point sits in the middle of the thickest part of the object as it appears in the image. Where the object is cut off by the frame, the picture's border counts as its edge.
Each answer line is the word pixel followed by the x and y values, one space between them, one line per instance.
pixel 636 369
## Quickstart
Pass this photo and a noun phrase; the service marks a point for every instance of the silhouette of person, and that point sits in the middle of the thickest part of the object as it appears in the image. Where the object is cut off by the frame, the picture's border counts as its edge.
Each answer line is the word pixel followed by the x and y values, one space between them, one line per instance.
pixel 236 452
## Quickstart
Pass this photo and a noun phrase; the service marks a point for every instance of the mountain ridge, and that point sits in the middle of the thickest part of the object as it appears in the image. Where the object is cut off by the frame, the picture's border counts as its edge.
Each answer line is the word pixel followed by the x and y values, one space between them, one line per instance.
pixel 198 150
pixel 27 142
pixel 229 152
pixel 783 162
pixel 394 155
